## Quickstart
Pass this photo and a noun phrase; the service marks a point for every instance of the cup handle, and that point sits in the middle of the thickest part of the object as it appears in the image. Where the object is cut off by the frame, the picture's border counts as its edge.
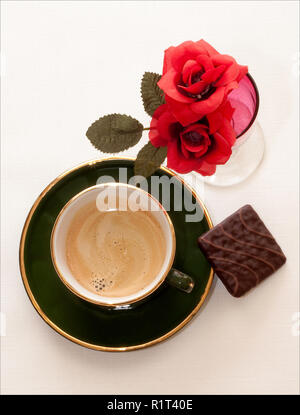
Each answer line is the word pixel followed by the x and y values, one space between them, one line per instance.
pixel 180 280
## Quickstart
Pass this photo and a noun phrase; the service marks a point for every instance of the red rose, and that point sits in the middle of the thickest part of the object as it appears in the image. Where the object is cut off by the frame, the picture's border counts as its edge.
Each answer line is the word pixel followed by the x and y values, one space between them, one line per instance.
pixel 199 146
pixel 197 79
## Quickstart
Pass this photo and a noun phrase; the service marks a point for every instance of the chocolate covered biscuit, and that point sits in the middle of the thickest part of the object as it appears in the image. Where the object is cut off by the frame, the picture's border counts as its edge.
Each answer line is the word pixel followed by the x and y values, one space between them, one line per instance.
pixel 242 251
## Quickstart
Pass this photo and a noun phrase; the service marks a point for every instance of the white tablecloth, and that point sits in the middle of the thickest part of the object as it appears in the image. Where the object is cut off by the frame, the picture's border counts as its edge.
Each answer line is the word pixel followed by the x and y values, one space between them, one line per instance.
pixel 64 65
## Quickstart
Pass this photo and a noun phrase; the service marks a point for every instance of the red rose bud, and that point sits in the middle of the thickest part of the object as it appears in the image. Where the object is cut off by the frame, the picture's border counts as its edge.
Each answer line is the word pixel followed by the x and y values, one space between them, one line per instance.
pixel 199 146
pixel 197 79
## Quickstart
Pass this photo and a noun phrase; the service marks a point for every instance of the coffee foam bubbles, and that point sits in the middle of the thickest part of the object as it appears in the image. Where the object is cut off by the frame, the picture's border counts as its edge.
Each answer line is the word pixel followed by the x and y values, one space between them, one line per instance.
pixel 100 283
pixel 114 253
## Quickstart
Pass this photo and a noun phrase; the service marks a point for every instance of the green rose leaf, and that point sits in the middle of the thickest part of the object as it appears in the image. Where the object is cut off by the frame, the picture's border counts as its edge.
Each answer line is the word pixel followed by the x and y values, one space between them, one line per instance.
pixel 152 95
pixel 149 160
pixel 114 132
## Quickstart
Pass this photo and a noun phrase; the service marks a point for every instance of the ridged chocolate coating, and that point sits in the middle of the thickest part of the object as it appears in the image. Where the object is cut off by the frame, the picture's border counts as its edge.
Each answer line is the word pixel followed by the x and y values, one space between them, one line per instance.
pixel 242 251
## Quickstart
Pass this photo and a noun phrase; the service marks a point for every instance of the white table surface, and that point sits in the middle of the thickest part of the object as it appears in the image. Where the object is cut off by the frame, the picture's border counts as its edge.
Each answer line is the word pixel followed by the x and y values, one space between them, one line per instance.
pixel 65 64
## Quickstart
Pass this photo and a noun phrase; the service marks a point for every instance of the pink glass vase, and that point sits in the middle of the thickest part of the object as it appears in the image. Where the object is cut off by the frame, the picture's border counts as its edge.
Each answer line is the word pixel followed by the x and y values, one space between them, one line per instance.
pixel 247 152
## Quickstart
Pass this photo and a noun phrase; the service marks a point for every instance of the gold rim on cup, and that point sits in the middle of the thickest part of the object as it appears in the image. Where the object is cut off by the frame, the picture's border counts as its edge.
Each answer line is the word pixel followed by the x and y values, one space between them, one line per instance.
pixel 71 288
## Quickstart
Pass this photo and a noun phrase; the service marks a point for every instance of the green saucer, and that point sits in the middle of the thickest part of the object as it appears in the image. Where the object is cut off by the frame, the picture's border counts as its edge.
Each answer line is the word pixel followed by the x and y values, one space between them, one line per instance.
pixel 137 326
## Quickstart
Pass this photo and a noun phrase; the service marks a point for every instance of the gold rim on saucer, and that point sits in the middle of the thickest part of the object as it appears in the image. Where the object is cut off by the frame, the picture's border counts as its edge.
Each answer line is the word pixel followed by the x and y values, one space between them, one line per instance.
pixel 35 303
